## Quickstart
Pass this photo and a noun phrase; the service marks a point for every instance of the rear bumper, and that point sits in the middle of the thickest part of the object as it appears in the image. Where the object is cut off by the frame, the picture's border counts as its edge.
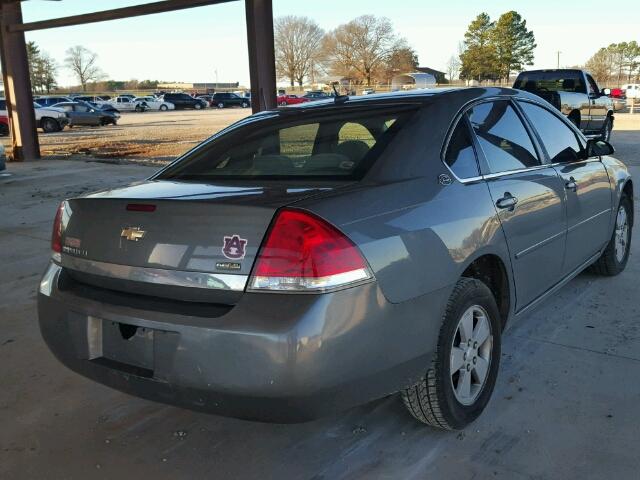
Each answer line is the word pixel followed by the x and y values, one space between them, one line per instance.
pixel 271 357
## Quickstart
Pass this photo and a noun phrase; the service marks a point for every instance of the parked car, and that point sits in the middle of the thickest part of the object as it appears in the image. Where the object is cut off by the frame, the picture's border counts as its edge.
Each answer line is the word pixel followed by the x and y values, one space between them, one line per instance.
pixel 310 259
pixel 50 101
pixel 49 119
pixel 576 94
pixel 632 90
pixel 368 91
pixel 284 100
pixel 207 98
pixel 227 99
pixel 155 103
pixel 616 93
pixel 83 114
pixel 4 125
pixel 90 98
pixel 316 95
pixel 182 100
pixel 125 104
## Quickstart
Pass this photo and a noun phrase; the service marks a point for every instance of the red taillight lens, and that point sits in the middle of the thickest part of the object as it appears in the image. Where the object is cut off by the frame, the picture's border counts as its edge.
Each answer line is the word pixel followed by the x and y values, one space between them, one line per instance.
pixel 56 235
pixel 304 252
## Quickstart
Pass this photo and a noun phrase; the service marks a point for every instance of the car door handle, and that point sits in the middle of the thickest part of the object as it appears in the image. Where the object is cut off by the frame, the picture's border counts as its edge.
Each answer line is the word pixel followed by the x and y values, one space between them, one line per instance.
pixel 571 185
pixel 508 201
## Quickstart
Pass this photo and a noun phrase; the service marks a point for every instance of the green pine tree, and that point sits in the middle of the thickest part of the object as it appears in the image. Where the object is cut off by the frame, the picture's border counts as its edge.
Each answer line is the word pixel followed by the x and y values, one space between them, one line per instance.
pixel 478 59
pixel 513 42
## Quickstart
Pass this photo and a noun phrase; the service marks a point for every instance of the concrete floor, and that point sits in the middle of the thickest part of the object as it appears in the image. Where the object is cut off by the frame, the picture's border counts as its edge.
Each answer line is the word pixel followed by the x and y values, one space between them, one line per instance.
pixel 565 405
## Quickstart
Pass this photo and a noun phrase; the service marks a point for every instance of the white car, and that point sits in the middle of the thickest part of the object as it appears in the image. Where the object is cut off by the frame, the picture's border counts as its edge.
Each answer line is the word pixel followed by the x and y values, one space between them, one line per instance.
pixel 632 90
pixel 125 104
pixel 49 119
pixel 155 103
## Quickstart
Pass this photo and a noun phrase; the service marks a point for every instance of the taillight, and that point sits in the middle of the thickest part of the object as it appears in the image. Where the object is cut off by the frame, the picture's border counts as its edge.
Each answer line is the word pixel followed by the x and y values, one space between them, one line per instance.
pixel 56 235
pixel 303 252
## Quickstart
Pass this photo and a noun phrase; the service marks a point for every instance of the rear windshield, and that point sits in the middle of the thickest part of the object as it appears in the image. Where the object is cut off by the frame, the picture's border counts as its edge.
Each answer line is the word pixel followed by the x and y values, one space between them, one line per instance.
pixel 562 81
pixel 296 144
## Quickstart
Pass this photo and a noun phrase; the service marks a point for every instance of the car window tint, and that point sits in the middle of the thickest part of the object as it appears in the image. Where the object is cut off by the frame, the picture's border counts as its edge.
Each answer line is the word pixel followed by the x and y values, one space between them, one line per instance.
pixel 356 132
pixel 80 108
pixel 502 137
pixel 593 86
pixel 340 145
pixel 559 140
pixel 460 156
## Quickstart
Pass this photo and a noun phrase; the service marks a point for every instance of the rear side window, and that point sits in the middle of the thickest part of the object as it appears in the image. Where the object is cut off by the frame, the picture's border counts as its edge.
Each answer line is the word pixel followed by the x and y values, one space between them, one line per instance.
pixel 460 156
pixel 337 145
pixel 502 137
pixel 559 140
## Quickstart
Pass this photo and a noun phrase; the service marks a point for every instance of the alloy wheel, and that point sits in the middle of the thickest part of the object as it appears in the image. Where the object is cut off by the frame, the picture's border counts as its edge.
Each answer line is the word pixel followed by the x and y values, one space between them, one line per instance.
pixel 471 351
pixel 622 233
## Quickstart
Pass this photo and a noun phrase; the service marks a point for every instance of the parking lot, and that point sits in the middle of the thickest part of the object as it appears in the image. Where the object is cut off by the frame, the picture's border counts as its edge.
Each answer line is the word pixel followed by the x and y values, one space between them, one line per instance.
pixel 565 405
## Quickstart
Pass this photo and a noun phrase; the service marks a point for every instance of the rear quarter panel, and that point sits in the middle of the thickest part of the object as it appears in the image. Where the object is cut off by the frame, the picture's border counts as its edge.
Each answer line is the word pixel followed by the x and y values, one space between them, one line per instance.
pixel 618 177
pixel 417 235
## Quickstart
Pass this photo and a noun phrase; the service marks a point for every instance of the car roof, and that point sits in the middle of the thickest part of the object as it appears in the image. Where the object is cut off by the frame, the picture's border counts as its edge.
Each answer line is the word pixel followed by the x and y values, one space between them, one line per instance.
pixel 456 96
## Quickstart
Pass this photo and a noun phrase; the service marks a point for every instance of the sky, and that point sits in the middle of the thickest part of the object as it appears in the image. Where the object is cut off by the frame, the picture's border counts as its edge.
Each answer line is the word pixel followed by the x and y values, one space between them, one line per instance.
pixel 208 44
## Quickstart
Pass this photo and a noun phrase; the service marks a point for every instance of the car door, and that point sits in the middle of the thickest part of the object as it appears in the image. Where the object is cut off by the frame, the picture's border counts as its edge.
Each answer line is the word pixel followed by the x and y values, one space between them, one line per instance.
pixel 528 196
pixel 83 116
pixel 597 105
pixel 586 182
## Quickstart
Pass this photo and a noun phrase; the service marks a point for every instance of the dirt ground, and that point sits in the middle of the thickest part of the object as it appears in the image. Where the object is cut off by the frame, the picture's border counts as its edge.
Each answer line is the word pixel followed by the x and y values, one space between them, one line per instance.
pixel 152 138
pixel 565 406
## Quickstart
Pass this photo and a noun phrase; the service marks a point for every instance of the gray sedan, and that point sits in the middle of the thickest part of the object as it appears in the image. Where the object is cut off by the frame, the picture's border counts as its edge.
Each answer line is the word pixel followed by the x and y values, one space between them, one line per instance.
pixel 82 113
pixel 313 258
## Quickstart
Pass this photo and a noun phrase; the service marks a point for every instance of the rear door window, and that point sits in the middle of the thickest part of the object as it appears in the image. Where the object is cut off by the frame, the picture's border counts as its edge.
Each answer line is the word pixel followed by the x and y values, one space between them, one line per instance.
pixel 460 155
pixel 502 136
pixel 559 140
pixel 337 145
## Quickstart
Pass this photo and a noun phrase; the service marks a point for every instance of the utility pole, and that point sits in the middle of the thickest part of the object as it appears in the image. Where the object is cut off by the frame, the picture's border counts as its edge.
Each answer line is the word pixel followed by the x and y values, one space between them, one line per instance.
pixel 558 53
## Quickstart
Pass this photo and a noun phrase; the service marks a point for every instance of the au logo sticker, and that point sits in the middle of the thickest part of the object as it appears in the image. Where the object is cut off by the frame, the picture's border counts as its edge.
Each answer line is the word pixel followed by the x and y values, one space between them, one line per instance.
pixel 234 247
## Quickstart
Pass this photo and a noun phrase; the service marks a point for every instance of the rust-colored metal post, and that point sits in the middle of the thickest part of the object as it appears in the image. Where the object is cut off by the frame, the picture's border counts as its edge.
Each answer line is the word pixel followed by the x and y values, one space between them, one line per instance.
pixel 262 62
pixel 17 85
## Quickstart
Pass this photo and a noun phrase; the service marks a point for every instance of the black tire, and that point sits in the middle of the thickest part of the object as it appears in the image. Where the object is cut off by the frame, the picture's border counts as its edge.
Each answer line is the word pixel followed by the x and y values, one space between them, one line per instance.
pixel 50 125
pixel 197 106
pixel 245 104
pixel 220 105
pixel 609 264
pixel 283 104
pixel 432 400
pixel 606 129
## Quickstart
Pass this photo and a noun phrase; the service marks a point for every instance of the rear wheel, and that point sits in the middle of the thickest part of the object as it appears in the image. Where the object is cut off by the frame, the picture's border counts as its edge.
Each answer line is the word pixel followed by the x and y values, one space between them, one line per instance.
pixel 614 258
pixel 220 105
pixel 606 129
pixel 245 104
pixel 49 125
pixel 462 375
pixel 283 104
pixel 164 107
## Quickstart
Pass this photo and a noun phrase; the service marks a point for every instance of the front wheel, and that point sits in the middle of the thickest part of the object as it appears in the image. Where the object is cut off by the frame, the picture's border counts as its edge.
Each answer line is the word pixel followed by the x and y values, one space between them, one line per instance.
pixel 164 108
pixel 197 106
pixel 245 104
pixel 220 105
pixel 615 256
pixel 460 380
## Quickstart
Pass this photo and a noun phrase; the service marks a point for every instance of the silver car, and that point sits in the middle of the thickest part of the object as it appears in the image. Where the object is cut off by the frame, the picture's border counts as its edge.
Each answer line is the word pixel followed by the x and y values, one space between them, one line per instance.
pixel 313 258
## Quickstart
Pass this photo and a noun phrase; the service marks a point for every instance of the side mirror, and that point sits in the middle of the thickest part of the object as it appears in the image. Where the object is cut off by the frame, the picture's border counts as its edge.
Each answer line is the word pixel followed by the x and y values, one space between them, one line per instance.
pixel 599 148
pixel 606 91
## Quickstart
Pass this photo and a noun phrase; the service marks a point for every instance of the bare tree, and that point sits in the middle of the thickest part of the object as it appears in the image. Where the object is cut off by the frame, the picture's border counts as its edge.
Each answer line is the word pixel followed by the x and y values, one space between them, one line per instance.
pixel 453 67
pixel 361 49
pixel 298 42
pixel 82 62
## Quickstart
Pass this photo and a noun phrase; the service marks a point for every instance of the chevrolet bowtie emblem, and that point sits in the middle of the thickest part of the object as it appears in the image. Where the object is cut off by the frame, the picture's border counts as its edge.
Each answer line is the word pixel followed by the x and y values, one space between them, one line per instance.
pixel 132 234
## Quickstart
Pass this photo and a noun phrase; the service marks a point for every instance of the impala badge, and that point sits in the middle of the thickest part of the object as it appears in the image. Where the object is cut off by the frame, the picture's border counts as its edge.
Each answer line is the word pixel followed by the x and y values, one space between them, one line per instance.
pixel 133 234
pixel 234 247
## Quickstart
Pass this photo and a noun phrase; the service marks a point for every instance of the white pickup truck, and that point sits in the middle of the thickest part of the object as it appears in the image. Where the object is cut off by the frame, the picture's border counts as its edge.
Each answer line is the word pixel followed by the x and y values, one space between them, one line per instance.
pixel 125 104
pixel 49 119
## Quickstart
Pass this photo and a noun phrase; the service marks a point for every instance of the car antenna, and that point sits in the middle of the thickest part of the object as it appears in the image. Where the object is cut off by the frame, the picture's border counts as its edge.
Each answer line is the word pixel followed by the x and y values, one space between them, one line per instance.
pixel 338 98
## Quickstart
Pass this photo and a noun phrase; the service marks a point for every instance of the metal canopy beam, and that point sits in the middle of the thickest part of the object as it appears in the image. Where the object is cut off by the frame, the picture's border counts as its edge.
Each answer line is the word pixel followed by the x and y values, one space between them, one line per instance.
pixel 262 63
pixel 115 14
pixel 17 86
